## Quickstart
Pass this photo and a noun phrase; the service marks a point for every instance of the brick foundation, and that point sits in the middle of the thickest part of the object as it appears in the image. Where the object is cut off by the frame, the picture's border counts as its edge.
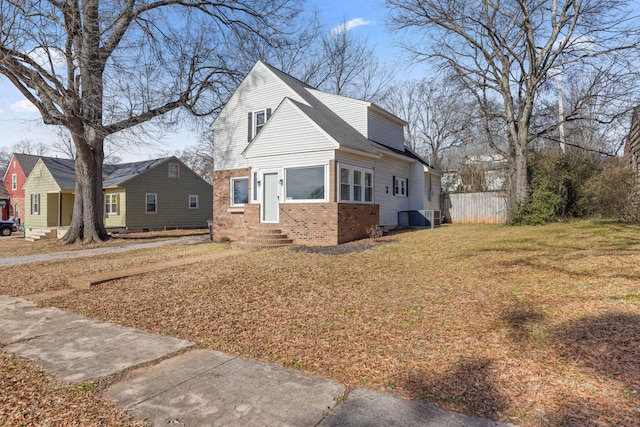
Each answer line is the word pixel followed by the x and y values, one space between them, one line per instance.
pixel 314 224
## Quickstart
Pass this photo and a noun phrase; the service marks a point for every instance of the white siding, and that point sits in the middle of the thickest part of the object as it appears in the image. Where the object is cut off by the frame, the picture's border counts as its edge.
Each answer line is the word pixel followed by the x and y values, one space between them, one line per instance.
pixel 355 160
pixel 386 168
pixel 289 130
pixel 384 131
pixel 260 90
pixel 350 110
pixel 417 192
pixel 316 158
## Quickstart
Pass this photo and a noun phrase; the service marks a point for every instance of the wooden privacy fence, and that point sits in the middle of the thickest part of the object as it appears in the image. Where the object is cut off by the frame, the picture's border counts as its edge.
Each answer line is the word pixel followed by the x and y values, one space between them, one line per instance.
pixel 461 208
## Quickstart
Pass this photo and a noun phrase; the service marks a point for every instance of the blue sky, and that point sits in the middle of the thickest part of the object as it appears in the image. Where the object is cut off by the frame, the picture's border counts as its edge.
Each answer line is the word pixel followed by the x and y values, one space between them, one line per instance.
pixel 19 120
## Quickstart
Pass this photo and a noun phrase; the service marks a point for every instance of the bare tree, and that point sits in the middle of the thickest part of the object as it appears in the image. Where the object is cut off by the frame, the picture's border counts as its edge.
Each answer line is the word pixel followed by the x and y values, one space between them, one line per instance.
pixel 98 68
pixel 506 50
pixel 438 116
pixel 199 157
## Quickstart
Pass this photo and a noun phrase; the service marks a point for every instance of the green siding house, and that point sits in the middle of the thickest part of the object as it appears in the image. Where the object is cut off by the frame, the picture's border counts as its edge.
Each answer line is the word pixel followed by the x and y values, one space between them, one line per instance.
pixel 153 194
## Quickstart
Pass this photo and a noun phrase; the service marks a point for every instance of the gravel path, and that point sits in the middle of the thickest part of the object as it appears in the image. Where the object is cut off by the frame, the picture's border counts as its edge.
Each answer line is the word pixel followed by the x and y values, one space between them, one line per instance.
pixel 27 259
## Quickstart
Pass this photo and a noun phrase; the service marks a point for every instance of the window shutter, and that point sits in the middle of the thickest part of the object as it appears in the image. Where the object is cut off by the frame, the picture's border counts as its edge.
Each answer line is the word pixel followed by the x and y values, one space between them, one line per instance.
pixel 268 114
pixel 393 187
pixel 104 202
pixel 118 204
pixel 31 204
pixel 250 127
pixel 406 184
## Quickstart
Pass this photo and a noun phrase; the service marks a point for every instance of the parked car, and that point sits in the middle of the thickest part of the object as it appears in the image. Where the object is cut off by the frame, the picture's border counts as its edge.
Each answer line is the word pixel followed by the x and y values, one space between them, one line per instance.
pixel 7 227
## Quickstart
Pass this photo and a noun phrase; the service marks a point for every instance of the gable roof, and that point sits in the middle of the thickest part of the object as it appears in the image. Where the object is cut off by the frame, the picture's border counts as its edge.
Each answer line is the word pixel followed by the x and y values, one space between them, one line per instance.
pixel 26 161
pixel 64 173
pixel 335 126
pixel 116 175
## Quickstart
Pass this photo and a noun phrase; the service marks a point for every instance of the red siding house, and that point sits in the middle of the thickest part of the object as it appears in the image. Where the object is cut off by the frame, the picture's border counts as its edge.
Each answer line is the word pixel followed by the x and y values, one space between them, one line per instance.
pixel 16 174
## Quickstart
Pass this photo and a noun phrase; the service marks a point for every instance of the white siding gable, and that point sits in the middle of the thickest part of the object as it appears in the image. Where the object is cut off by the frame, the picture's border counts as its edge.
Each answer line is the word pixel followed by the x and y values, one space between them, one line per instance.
pixel 350 110
pixel 260 90
pixel 289 130
pixel 384 130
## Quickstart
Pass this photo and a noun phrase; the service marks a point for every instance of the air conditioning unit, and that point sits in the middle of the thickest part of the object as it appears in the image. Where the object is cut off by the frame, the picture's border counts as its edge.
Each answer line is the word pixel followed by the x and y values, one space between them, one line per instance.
pixel 419 218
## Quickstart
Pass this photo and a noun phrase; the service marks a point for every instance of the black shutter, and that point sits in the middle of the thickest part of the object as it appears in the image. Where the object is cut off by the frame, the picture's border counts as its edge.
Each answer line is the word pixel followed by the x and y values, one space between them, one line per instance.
pixel 393 187
pixel 268 114
pixel 407 186
pixel 250 128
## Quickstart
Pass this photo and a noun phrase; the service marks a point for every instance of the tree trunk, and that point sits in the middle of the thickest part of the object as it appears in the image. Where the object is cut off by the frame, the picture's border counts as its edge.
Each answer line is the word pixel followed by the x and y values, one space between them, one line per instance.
pixel 87 222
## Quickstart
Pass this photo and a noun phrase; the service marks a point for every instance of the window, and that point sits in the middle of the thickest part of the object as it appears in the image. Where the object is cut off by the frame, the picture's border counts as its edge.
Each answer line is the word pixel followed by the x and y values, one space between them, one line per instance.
pixel 152 203
pixel 35 204
pixel 14 181
pixel 255 186
pixel 174 170
pixel 356 185
pixel 193 201
pixel 305 183
pixel 400 187
pixel 111 204
pixel 256 121
pixel 239 191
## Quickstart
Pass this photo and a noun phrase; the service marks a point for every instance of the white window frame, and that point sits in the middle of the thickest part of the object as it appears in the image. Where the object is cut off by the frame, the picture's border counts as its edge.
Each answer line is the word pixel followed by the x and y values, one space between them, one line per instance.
pixel 401 187
pixel 363 188
pixel 108 206
pixel 255 183
pixel 174 170
pixel 325 180
pixel 146 203
pixel 257 129
pixel 14 181
pixel 231 191
pixel 197 199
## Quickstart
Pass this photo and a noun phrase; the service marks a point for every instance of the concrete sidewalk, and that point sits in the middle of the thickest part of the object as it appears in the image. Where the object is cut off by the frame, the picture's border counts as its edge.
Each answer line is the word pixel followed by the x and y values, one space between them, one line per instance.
pixel 198 387
pixel 28 259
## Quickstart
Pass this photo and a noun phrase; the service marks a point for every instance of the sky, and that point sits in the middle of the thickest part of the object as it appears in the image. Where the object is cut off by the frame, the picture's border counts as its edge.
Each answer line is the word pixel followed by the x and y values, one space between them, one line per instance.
pixel 19 120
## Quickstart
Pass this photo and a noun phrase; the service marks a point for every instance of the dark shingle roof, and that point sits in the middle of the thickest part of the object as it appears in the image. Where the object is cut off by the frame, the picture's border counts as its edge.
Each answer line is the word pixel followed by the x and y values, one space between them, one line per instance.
pixel 115 175
pixel 63 171
pixel 27 162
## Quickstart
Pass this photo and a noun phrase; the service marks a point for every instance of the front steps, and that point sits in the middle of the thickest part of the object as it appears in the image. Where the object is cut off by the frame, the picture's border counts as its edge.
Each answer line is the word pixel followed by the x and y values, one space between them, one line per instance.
pixel 263 238
pixel 34 234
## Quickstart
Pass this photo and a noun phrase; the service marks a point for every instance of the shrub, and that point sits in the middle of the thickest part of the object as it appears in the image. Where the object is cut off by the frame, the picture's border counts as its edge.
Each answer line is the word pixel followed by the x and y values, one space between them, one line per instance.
pixel 614 194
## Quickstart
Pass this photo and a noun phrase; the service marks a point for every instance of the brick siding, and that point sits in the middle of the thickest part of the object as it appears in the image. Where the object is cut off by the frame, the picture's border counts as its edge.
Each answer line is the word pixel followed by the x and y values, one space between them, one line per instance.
pixel 314 224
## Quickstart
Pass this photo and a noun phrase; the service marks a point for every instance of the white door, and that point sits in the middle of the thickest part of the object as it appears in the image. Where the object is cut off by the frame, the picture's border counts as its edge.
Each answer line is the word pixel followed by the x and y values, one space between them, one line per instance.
pixel 270 199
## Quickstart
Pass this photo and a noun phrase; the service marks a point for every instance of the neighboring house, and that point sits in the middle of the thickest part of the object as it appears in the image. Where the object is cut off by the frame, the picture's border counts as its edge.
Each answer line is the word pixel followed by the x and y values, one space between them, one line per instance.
pixel 632 148
pixel 322 168
pixel 153 194
pixel 473 167
pixel 5 202
pixel 15 176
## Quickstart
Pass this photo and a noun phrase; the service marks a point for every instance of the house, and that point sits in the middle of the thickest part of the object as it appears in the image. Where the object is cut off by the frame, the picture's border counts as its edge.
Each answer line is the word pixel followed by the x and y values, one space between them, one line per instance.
pixel 5 202
pixel 14 178
pixel 320 167
pixel 473 167
pixel 153 194
pixel 632 147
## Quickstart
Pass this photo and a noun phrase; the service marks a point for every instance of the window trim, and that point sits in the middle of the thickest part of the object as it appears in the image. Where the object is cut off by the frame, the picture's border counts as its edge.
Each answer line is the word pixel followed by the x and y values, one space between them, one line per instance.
pixel 324 179
pixel 114 201
pixel 231 191
pixel 197 198
pixel 362 186
pixel 146 206
pixel 253 130
pixel 14 181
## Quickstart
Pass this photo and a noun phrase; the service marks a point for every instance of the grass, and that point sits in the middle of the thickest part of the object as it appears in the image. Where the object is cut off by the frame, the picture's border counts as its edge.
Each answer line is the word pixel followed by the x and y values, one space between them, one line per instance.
pixel 529 325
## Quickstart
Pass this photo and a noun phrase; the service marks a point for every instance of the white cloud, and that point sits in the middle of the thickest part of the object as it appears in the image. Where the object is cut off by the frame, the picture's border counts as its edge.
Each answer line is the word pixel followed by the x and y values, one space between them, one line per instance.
pixel 349 25
pixel 24 106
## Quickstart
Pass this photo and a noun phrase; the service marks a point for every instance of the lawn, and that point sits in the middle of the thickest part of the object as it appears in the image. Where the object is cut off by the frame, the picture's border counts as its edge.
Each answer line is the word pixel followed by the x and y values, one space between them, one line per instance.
pixel 528 325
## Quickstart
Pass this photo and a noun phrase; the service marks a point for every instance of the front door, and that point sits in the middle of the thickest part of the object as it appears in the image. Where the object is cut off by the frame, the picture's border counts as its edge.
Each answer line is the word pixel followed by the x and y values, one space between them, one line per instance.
pixel 270 199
